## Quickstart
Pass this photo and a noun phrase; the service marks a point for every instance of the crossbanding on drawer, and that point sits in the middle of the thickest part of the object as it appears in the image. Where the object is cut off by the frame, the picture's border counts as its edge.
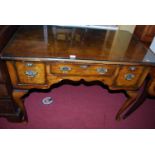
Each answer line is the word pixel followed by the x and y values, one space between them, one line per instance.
pixel 131 76
pixel 82 69
pixel 30 72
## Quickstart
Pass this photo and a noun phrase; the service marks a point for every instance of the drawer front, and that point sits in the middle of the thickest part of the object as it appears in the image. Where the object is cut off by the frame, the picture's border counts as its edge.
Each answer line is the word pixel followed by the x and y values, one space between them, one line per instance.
pixel 3 90
pixel 130 76
pixel 30 73
pixel 82 69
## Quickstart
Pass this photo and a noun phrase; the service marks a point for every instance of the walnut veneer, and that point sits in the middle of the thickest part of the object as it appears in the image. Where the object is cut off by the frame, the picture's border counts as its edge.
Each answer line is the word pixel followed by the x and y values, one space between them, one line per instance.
pixel 40 56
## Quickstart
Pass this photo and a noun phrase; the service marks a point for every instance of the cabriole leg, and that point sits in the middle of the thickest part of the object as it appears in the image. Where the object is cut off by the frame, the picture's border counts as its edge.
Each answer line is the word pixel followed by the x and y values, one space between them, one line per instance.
pixel 143 95
pixel 17 97
pixel 132 96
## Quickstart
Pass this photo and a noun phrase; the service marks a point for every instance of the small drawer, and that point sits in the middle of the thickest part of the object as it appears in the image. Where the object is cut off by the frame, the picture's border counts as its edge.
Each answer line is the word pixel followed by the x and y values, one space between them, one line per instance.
pixel 82 69
pixel 30 72
pixel 3 90
pixel 130 75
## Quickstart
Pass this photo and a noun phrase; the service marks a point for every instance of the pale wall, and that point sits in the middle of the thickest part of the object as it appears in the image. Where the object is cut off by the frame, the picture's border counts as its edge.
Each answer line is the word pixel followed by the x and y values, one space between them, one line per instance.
pixel 129 28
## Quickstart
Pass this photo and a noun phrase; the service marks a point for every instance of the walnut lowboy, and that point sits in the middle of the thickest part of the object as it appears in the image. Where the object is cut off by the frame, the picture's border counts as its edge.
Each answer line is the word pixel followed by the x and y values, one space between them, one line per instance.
pixel 27 75
pixel 38 59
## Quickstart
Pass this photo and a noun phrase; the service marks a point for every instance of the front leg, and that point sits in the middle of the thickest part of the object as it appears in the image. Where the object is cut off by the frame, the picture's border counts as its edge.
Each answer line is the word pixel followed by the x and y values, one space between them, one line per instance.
pixel 143 95
pixel 17 97
pixel 132 96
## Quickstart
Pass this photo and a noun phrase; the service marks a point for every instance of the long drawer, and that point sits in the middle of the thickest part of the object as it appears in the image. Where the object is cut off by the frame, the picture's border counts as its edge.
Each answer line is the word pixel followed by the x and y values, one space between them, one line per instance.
pixel 83 69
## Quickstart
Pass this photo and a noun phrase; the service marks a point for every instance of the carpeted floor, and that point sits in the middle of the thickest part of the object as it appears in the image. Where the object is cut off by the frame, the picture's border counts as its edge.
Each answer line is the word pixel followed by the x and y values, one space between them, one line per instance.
pixel 82 107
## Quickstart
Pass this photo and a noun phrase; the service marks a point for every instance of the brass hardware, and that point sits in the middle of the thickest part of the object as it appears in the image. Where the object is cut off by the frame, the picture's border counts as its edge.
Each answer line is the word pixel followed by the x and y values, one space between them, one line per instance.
pixel 31 73
pixel 84 66
pixel 129 76
pixel 132 68
pixel 29 64
pixel 102 70
pixel 65 68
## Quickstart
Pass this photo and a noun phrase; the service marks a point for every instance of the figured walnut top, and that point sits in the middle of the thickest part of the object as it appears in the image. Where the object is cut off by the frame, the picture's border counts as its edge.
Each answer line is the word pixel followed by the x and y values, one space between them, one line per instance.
pixel 58 42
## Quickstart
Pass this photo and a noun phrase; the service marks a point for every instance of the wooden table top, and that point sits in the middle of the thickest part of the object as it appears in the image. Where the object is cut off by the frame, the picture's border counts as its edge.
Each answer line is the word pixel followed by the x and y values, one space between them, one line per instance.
pixel 68 43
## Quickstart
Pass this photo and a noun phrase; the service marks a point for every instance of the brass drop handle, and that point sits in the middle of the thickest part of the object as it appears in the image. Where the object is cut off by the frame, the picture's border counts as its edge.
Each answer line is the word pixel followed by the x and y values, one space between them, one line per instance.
pixel 65 68
pixel 31 73
pixel 129 76
pixel 101 70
